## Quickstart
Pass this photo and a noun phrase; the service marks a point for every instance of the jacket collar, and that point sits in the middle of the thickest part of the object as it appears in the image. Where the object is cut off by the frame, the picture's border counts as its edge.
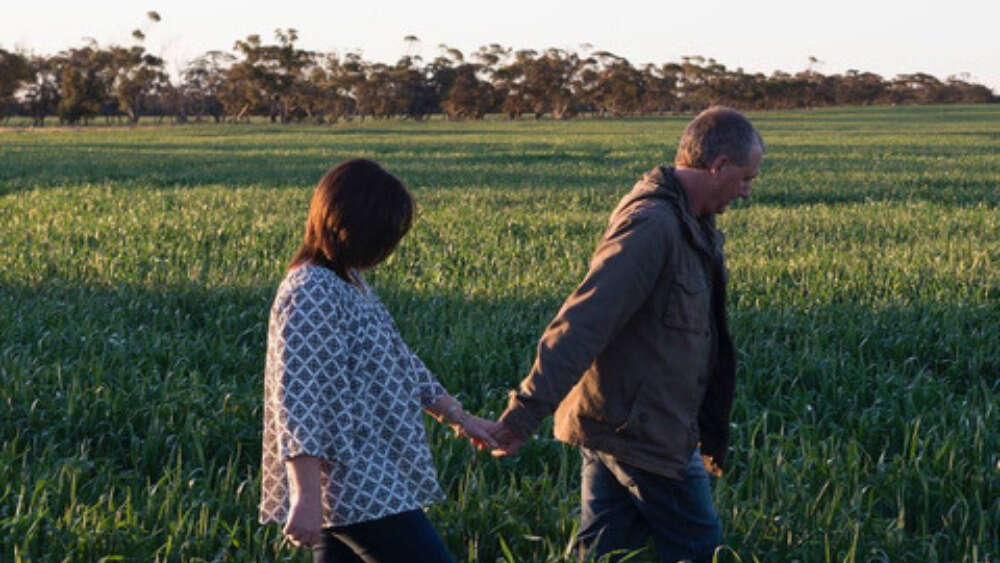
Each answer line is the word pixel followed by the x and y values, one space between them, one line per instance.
pixel 661 183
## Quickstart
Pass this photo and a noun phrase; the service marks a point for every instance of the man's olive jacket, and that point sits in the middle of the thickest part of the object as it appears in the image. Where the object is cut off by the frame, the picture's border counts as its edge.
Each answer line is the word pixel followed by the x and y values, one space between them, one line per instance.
pixel 638 363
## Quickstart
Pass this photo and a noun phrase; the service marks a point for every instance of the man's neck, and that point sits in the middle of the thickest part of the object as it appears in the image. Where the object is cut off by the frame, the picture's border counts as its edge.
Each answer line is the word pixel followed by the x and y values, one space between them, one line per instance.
pixel 694 183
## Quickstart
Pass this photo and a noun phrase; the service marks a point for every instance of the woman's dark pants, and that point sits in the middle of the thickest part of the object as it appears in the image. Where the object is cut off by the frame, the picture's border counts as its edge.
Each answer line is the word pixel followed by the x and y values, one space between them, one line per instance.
pixel 401 537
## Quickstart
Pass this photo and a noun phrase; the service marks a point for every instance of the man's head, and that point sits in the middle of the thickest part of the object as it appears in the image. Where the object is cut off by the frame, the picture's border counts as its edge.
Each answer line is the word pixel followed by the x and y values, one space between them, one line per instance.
pixel 723 150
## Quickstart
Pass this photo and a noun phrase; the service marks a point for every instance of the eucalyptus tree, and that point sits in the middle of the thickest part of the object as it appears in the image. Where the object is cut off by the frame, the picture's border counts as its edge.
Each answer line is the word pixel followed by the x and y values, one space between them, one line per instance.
pixel 660 94
pixel 136 75
pixel 202 83
pixel 619 88
pixel 461 87
pixel 334 82
pixel 40 96
pixel 858 88
pixel 269 76
pixel 15 72
pixel 410 94
pixel 84 76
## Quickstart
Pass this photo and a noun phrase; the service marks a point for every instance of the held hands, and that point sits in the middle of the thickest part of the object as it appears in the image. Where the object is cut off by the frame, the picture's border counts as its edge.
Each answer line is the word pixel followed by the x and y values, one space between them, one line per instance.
pixel 487 434
pixel 478 430
pixel 509 441
pixel 484 434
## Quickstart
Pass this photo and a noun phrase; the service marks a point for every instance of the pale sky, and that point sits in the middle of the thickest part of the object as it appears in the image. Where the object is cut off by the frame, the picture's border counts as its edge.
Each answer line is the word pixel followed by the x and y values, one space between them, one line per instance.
pixel 887 37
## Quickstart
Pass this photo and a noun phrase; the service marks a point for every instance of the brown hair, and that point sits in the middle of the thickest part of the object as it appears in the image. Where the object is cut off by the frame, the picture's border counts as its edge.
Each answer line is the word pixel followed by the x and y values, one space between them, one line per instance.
pixel 358 214
pixel 714 132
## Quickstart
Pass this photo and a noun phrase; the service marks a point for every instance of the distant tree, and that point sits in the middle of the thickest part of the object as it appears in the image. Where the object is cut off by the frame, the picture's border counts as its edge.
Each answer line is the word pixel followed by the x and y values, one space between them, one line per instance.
pixel 287 65
pixel 268 75
pixel 918 87
pixel 457 85
pixel 412 44
pixel 84 76
pixel 202 81
pixel 468 97
pixel 540 84
pixel 412 94
pixel 698 82
pixel 289 84
pixel 334 82
pixel 244 90
pixel 661 89
pixel 552 83
pixel 41 94
pixel 136 75
pixel 962 91
pixel 858 88
pixel 619 88
pixel 15 72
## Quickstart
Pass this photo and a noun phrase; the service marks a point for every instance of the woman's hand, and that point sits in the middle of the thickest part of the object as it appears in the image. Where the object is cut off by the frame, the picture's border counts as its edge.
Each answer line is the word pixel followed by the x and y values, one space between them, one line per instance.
pixel 479 431
pixel 305 522
pixel 305 515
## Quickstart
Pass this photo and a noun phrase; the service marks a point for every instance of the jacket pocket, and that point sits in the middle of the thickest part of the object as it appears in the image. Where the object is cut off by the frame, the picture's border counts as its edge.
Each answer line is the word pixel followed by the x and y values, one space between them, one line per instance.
pixel 632 422
pixel 689 305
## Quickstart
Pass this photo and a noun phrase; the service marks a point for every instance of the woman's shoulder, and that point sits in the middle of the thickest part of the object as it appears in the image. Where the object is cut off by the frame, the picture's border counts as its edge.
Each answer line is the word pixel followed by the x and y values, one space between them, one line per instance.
pixel 312 283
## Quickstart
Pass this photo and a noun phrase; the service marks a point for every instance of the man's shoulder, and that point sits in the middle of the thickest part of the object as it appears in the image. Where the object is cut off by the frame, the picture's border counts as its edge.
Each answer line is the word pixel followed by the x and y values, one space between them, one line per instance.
pixel 650 212
pixel 655 193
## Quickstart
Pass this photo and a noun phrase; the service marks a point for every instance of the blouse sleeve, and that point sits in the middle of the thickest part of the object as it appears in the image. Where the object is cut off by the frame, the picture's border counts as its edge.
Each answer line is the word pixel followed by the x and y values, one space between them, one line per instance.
pixel 310 398
pixel 429 388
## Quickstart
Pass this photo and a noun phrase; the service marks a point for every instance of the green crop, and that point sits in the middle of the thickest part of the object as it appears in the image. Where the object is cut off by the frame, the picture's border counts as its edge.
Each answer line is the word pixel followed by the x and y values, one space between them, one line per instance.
pixel 138 266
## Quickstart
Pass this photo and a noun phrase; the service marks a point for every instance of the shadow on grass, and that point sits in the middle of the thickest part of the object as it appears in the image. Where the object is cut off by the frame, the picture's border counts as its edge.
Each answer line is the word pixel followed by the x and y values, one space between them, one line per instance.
pixel 794 173
pixel 122 385
pixel 123 358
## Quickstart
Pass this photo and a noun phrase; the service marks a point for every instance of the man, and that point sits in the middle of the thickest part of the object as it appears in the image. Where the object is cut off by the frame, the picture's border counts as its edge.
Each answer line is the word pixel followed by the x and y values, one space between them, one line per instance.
pixel 638 365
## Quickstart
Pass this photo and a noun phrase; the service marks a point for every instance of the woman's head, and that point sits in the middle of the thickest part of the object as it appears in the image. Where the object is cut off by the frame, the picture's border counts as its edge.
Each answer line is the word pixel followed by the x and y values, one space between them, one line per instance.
pixel 359 213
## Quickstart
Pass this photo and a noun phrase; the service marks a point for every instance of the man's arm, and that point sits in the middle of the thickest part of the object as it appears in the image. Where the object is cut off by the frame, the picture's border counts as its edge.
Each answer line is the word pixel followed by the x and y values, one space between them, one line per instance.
pixel 623 272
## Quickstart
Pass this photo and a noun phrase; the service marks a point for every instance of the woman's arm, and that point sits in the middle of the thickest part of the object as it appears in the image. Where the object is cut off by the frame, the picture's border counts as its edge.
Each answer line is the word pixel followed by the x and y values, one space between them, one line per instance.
pixel 305 516
pixel 448 410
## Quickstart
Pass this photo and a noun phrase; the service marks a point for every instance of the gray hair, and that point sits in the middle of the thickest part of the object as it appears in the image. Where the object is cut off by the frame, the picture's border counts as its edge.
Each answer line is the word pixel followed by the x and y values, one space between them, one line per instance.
pixel 717 131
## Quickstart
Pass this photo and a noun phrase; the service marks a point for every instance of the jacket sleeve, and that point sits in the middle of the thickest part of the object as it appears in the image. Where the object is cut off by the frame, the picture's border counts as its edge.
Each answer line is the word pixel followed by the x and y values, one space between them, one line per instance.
pixel 623 272
pixel 309 395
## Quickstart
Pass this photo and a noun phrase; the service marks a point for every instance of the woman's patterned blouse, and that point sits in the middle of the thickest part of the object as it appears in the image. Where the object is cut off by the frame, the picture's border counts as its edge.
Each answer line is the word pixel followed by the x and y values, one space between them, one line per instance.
pixel 341 385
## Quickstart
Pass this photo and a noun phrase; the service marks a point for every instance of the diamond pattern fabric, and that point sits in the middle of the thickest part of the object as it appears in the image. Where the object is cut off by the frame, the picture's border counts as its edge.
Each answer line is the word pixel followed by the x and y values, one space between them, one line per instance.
pixel 341 385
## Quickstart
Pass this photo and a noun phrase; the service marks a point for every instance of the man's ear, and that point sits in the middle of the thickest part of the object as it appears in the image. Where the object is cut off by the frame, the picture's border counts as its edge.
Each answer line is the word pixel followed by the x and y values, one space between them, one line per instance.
pixel 718 163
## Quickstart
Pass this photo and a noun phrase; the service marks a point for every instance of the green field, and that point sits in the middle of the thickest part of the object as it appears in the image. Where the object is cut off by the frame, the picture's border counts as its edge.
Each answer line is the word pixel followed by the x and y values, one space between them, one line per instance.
pixel 138 266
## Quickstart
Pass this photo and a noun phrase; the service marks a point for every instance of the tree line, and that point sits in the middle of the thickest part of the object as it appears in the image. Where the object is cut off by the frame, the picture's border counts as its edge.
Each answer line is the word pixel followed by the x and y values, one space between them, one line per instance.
pixel 288 84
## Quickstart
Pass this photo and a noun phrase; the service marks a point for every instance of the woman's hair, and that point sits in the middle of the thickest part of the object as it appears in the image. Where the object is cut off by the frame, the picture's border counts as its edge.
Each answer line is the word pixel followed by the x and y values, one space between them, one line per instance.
pixel 358 214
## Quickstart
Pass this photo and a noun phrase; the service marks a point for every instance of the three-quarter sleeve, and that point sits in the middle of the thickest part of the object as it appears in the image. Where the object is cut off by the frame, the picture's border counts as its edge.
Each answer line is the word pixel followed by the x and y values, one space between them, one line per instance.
pixel 310 399
pixel 429 389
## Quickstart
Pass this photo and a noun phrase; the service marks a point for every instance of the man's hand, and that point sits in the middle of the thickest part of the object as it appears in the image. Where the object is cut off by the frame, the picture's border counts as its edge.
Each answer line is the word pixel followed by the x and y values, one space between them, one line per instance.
pixel 510 441
pixel 479 431
pixel 305 522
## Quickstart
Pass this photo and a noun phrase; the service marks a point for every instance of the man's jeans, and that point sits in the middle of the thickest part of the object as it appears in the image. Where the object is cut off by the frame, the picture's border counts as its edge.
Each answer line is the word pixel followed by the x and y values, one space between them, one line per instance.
pixel 622 505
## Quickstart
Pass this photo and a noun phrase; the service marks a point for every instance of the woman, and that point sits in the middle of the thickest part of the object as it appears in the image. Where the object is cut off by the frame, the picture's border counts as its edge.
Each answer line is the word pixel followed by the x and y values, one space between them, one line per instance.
pixel 346 464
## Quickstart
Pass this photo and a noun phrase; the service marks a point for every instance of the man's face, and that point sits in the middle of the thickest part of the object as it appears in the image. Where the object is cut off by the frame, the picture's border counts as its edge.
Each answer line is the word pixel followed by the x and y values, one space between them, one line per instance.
pixel 733 181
